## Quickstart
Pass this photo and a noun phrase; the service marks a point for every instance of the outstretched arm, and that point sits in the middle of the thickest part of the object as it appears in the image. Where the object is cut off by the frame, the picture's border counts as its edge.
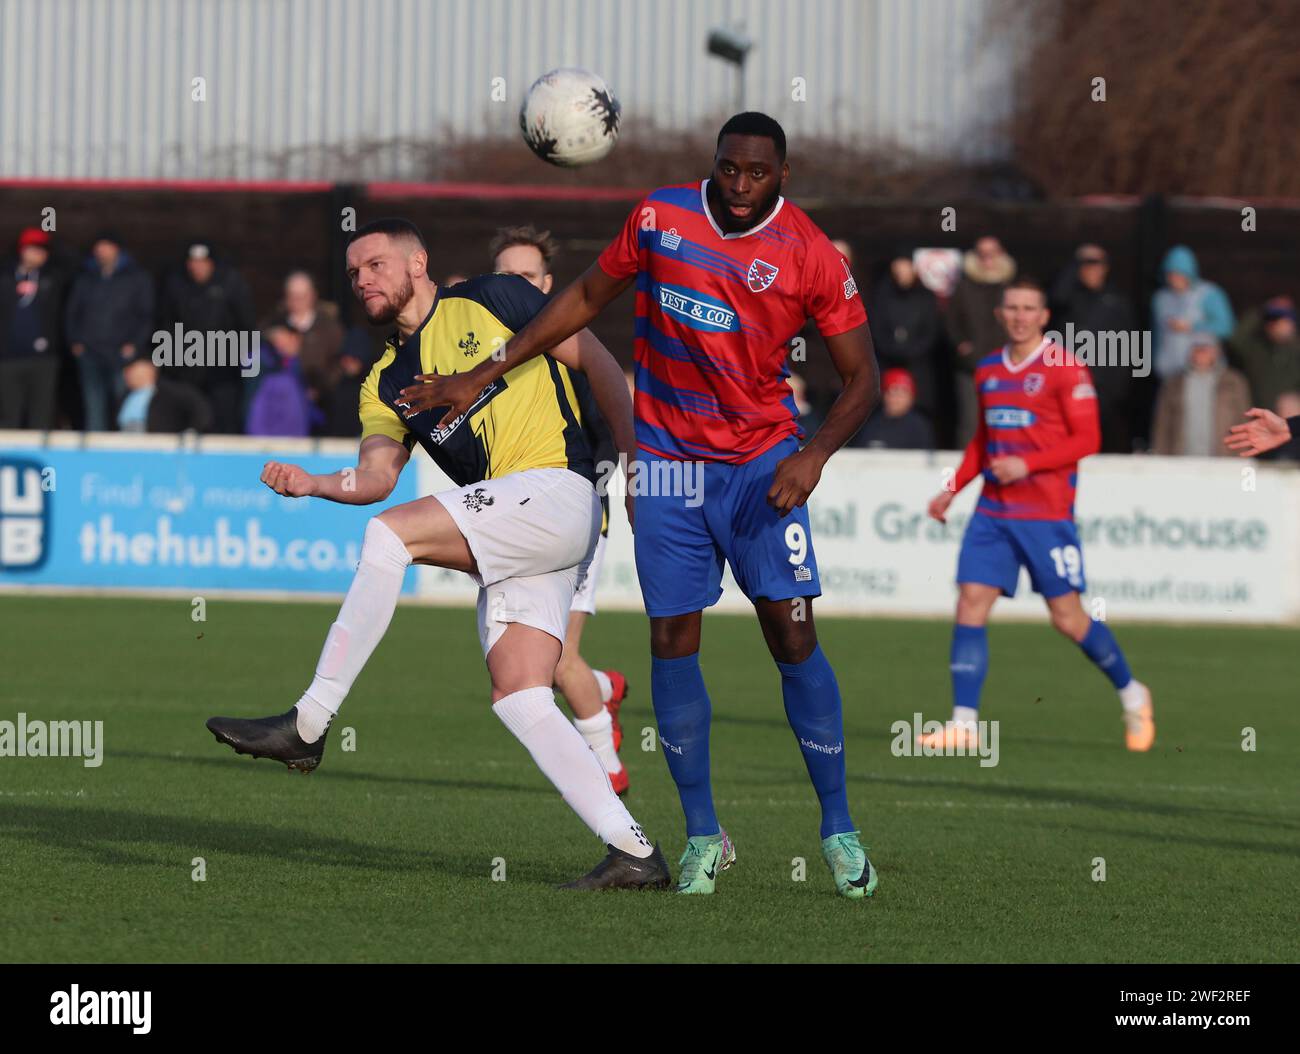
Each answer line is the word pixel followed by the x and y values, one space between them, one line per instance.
pixel 571 310
pixel 1263 432
pixel 380 461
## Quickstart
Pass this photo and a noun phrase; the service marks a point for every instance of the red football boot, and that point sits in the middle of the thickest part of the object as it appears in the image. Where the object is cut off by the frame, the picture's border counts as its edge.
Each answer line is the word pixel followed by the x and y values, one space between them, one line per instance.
pixel 619 685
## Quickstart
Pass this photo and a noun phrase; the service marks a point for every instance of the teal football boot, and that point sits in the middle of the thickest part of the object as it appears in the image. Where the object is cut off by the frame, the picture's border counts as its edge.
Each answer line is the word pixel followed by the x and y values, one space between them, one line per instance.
pixel 705 856
pixel 847 858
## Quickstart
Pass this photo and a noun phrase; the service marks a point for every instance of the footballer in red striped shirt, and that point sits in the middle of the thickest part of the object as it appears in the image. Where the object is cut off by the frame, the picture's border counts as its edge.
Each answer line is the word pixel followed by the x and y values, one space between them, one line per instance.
pixel 716 310
pixel 726 273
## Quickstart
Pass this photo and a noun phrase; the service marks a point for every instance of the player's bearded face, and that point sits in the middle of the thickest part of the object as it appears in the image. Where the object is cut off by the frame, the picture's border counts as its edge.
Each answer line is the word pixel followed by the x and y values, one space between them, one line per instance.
pixel 746 181
pixel 765 205
pixel 740 210
pixel 384 308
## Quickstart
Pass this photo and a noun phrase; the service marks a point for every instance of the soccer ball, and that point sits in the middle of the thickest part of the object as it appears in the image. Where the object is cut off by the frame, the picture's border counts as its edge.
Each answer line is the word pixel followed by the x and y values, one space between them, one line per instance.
pixel 569 117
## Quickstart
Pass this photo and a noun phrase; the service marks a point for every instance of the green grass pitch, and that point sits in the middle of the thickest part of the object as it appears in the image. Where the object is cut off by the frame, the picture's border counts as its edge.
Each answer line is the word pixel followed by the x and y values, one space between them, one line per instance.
pixel 386 853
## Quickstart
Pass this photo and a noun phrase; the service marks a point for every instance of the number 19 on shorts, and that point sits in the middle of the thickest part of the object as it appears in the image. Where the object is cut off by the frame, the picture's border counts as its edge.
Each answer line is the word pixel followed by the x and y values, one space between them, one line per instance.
pixel 1068 561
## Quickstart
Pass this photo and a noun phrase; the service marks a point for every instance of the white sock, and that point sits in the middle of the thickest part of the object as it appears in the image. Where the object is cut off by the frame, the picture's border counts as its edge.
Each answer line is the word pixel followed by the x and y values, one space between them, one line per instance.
pixel 965 715
pixel 566 760
pixel 361 624
pixel 312 720
pixel 606 687
pixel 1133 696
pixel 598 731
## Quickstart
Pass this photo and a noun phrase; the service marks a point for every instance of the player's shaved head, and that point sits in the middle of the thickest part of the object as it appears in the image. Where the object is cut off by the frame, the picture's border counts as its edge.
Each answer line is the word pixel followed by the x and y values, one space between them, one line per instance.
pixel 757 124
pixel 749 171
pixel 400 231
pixel 386 261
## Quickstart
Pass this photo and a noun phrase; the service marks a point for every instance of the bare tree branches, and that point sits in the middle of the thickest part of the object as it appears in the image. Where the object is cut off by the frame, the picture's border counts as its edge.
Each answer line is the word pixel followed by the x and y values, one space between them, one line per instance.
pixel 1200 98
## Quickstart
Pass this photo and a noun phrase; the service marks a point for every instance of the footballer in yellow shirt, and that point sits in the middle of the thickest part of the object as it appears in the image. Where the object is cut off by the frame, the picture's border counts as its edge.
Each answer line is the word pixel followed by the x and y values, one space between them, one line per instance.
pixel 522 522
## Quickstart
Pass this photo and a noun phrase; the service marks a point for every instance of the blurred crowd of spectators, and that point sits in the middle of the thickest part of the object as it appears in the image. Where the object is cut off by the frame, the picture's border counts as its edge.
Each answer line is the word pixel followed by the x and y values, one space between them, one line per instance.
pixel 77 347
pixel 76 350
pixel 1207 366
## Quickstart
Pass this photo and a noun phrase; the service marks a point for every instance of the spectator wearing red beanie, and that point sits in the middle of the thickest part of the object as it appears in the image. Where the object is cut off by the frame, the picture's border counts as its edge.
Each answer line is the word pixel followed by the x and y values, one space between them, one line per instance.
pixel 896 424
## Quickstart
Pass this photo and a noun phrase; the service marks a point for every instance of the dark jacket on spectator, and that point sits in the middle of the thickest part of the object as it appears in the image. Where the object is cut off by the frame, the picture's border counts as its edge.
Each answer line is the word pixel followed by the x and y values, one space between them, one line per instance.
pixel 909 432
pixel 342 417
pixel 1270 368
pixel 905 328
pixel 46 308
pixel 222 304
pixel 1101 311
pixel 174 408
pixel 105 313
pixel 341 407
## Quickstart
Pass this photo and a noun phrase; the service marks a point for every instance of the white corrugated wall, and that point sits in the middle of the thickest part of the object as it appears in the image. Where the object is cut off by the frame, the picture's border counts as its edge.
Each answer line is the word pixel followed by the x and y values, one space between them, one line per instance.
pixel 302 88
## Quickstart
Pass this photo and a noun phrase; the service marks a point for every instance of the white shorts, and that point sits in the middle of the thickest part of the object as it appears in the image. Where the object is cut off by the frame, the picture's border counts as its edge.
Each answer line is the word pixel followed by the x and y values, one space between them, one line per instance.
pixel 585 598
pixel 532 534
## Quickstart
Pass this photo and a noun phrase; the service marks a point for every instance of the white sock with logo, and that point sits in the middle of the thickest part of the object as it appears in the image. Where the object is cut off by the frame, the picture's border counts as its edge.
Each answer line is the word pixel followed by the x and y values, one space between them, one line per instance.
pixel 598 731
pixel 566 760
pixel 361 624
pixel 606 686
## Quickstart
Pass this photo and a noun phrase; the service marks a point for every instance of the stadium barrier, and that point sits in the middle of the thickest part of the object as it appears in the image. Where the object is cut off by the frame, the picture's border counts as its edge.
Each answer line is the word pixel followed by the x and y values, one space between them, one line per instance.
pixel 1164 539
pixel 167 513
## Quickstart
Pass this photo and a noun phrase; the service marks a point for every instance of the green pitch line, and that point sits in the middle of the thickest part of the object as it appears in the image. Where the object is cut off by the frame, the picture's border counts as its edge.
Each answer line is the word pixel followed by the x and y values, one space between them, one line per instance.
pixel 388 851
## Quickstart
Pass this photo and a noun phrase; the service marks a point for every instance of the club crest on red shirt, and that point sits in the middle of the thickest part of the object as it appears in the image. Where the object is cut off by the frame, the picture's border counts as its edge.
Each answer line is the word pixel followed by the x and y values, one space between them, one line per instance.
pixel 1034 383
pixel 760 276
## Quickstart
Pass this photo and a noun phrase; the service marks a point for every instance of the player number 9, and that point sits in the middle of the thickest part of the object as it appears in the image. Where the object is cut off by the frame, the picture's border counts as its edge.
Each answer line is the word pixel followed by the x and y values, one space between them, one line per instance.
pixel 797 542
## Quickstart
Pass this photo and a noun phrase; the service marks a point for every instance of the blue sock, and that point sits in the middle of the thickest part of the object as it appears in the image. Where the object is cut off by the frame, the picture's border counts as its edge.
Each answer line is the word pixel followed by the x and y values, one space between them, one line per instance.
pixel 812 706
pixel 1102 648
pixel 969 662
pixel 683 713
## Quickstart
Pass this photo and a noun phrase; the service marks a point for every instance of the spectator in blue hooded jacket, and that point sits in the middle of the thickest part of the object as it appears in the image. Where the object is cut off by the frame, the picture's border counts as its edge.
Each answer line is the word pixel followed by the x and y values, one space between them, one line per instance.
pixel 1184 306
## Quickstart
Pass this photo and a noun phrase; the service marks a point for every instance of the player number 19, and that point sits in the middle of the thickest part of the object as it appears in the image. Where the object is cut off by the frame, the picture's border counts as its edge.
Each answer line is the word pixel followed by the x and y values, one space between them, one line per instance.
pixel 1067 561
pixel 797 542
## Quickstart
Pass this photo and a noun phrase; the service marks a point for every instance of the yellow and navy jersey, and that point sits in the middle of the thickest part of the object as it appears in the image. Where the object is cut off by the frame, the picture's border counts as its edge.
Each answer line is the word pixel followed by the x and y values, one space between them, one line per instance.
pixel 530 418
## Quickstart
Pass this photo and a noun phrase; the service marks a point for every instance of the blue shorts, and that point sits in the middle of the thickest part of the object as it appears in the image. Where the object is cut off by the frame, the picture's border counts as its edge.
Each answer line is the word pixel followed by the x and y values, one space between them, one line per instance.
pixel 682 539
pixel 995 549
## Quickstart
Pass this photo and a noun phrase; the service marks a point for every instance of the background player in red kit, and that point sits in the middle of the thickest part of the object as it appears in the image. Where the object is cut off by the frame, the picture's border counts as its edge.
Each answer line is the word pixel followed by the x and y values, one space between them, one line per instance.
pixel 727 273
pixel 1038 418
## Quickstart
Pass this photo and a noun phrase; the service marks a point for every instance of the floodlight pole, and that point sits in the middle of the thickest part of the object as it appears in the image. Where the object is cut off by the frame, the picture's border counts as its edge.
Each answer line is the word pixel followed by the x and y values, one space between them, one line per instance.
pixel 732 47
